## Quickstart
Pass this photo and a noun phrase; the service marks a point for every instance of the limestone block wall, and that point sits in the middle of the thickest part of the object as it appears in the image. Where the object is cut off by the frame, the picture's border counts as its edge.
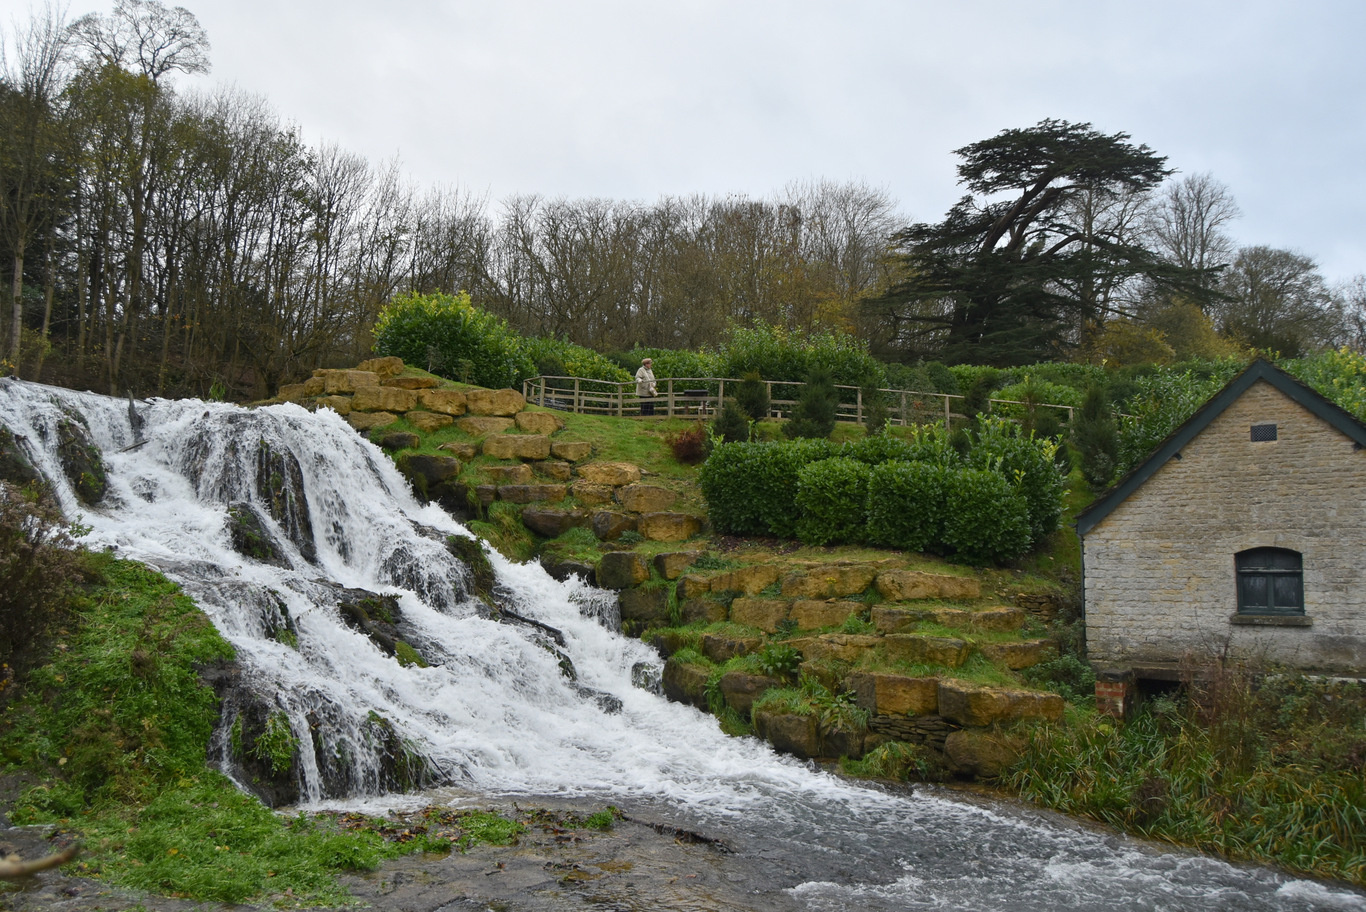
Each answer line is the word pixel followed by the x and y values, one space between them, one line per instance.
pixel 1160 582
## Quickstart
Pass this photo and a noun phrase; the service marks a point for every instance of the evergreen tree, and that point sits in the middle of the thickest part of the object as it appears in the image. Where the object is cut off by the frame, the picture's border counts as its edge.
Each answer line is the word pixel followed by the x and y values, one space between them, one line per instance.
pixel 732 424
pixel 752 396
pixel 1096 438
pixel 814 413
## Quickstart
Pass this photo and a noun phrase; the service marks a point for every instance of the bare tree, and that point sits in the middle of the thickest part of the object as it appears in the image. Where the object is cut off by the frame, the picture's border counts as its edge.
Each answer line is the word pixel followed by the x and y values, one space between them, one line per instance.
pixel 1276 301
pixel 146 37
pixel 1187 222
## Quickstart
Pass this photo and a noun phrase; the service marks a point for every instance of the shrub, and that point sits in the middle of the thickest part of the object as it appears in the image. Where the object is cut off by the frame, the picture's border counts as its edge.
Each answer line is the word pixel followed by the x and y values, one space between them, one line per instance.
pixel 875 412
pixel 985 519
pixel 732 424
pixel 777 354
pixel 1162 401
pixel 39 563
pixel 832 495
pixel 560 358
pixel 689 445
pixel 752 396
pixel 1028 463
pixel 814 414
pixel 451 337
pixel 1096 437
pixel 906 505
pixel 751 488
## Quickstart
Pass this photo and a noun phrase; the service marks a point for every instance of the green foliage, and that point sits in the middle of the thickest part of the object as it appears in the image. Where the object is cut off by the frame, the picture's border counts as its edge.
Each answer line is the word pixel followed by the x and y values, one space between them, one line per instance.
pixel 1162 401
pixel 779 660
pixel 900 762
pixel 732 424
pixel 814 414
pixel 832 497
pixel 986 520
pixel 751 488
pixel 1096 438
pixel 875 410
pixel 777 354
pixel 560 358
pixel 407 655
pixel 1028 463
pixel 907 502
pixel 1266 770
pixel 440 331
pixel 277 744
pixel 681 363
pixel 752 396
pixel 39 563
pixel 1338 375
pixel 1067 675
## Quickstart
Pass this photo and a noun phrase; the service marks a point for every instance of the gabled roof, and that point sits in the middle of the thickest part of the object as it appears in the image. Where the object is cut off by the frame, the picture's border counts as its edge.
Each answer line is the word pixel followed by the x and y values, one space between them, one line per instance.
pixel 1261 369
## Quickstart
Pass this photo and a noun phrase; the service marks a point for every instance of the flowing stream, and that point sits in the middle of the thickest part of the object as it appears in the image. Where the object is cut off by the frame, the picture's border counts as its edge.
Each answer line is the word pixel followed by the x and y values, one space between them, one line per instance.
pixel 496 716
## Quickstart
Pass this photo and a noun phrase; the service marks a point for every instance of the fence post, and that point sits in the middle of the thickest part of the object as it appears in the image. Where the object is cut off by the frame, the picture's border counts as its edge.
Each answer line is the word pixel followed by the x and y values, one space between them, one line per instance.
pixel 671 397
pixel 621 400
pixel 858 406
pixel 948 414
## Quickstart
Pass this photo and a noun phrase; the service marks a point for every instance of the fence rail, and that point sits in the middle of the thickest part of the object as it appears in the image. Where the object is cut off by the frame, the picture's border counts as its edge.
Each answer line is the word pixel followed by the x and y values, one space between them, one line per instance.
pixel 689 396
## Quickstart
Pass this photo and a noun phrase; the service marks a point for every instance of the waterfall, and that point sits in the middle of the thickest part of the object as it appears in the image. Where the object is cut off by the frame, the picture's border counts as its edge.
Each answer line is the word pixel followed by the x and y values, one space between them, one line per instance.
pixel 527 688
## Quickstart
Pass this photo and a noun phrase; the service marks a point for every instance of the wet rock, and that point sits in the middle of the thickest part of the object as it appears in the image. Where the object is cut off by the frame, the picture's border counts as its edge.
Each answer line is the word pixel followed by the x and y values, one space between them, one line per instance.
pixel 263 748
pixel 608 703
pixel 686 683
pixel 431 476
pixel 14 463
pixel 562 568
pixel 471 553
pixel 250 537
pixel 280 484
pixel 841 742
pixel 81 461
pixel 789 733
pixel 400 440
pixel 646 676
pixel 622 570
pixel 372 614
pixel 980 754
pixel 740 690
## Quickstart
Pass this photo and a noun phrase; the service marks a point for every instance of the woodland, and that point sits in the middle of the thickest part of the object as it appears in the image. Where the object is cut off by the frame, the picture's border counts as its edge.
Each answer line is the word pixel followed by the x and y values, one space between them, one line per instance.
pixel 163 242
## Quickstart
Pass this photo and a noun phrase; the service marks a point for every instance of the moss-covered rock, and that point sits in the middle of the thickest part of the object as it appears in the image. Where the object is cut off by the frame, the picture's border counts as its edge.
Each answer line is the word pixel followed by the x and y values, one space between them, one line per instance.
pixel 81 461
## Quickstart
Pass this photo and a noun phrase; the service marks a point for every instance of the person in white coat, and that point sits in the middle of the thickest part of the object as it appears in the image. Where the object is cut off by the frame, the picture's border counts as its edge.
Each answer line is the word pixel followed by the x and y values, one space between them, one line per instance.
pixel 645 386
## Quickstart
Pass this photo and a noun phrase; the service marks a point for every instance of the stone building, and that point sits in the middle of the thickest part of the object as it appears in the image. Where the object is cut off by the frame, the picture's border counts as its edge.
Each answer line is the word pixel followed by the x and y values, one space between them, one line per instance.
pixel 1243 535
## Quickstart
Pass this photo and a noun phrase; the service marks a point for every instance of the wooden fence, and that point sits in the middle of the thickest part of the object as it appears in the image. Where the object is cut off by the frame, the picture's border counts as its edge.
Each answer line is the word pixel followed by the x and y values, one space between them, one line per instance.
pixel 689 396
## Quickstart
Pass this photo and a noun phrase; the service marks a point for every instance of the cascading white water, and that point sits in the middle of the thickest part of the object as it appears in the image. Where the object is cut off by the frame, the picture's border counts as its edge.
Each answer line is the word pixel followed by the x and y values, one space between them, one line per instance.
pixel 495 715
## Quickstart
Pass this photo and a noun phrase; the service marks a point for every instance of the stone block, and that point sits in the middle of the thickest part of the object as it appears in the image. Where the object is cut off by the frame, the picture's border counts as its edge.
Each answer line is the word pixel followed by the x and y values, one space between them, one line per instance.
pixel 427 422
pixel 447 402
pixel 399 440
pixel 591 494
pixel 622 570
pixel 550 523
pixel 691 586
pixel 532 493
pixel 482 425
pixel 315 386
pixel 514 474
pixel 895 620
pixel 346 381
pixel 1000 619
pixel 789 734
pixel 648 606
pixel 411 383
pixel 811 614
pixel 1024 654
pixel 980 754
pixel 702 611
pixel 740 690
pixel 671 564
pixel 539 422
pixel 751 580
pixel 925 650
pixel 383 399
pixel 556 471
pixel 615 474
pixel 608 525
pixel 388 366
pixel 832 581
pixel 907 585
pixel 339 404
pixel 368 421
pixel 432 470
pixel 895 695
pixel 503 402
pixel 292 392
pixel 721 649
pixel 978 706
pixel 465 451
pixel 517 446
pixel 668 527
pixel 841 647
pixel 765 614
pixel 563 568
pixel 643 498
pixel 571 450
pixel 686 683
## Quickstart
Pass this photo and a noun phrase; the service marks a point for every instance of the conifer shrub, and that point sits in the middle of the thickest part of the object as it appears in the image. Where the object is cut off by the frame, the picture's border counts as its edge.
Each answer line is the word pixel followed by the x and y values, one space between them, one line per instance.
pixel 731 424
pixel 832 495
pixel 906 505
pixel 875 411
pixel 814 414
pixel 752 396
pixel 986 519
pixel 1096 438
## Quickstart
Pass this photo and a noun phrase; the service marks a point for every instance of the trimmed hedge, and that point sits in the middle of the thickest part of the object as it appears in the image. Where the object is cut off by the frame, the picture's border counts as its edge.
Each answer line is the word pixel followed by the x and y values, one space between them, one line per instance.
pixel 751 488
pixel 832 496
pixel 906 505
pixel 986 520
pixel 452 338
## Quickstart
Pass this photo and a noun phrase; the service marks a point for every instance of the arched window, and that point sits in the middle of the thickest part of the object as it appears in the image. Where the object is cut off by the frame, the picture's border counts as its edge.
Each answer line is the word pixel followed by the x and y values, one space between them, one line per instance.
pixel 1270 581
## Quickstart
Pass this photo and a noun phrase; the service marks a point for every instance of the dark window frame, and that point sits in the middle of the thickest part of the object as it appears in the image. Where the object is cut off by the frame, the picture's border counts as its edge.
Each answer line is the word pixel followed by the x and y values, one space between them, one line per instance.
pixel 1270 582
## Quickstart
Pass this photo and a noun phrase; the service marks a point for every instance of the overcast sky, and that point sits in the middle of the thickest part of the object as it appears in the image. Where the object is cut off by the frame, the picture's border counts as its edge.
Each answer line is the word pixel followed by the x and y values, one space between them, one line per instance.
pixel 635 99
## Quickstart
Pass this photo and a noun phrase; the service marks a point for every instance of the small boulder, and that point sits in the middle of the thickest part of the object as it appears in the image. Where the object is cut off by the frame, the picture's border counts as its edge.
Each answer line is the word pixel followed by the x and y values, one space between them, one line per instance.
pixel 539 422
pixel 591 494
pixel 504 402
pixel 686 683
pixel 447 402
pixel 643 498
pixel 978 706
pixel 608 525
pixel 702 611
pixel 668 527
pixel 980 754
pixel 482 425
pixel 740 690
pixel 368 421
pixel 906 585
pixel 411 383
pixel 843 647
pixel 622 570
pixel 832 581
pixel 789 733
pixel 388 366
pixel 895 695
pixel 465 451
pixel 550 523
pixel 562 568
pixel 671 564
pixel 339 404
pixel 517 446
pixel 644 606
pixel 554 470
pixel 532 493
pixel 721 649
pixel 615 474
pixel 514 474
pixel 751 580
pixel 346 381
pixel 762 613
pixel 571 450
pixel 1015 656
pixel 427 422
pixel 399 440
pixel 810 614
pixel 925 650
